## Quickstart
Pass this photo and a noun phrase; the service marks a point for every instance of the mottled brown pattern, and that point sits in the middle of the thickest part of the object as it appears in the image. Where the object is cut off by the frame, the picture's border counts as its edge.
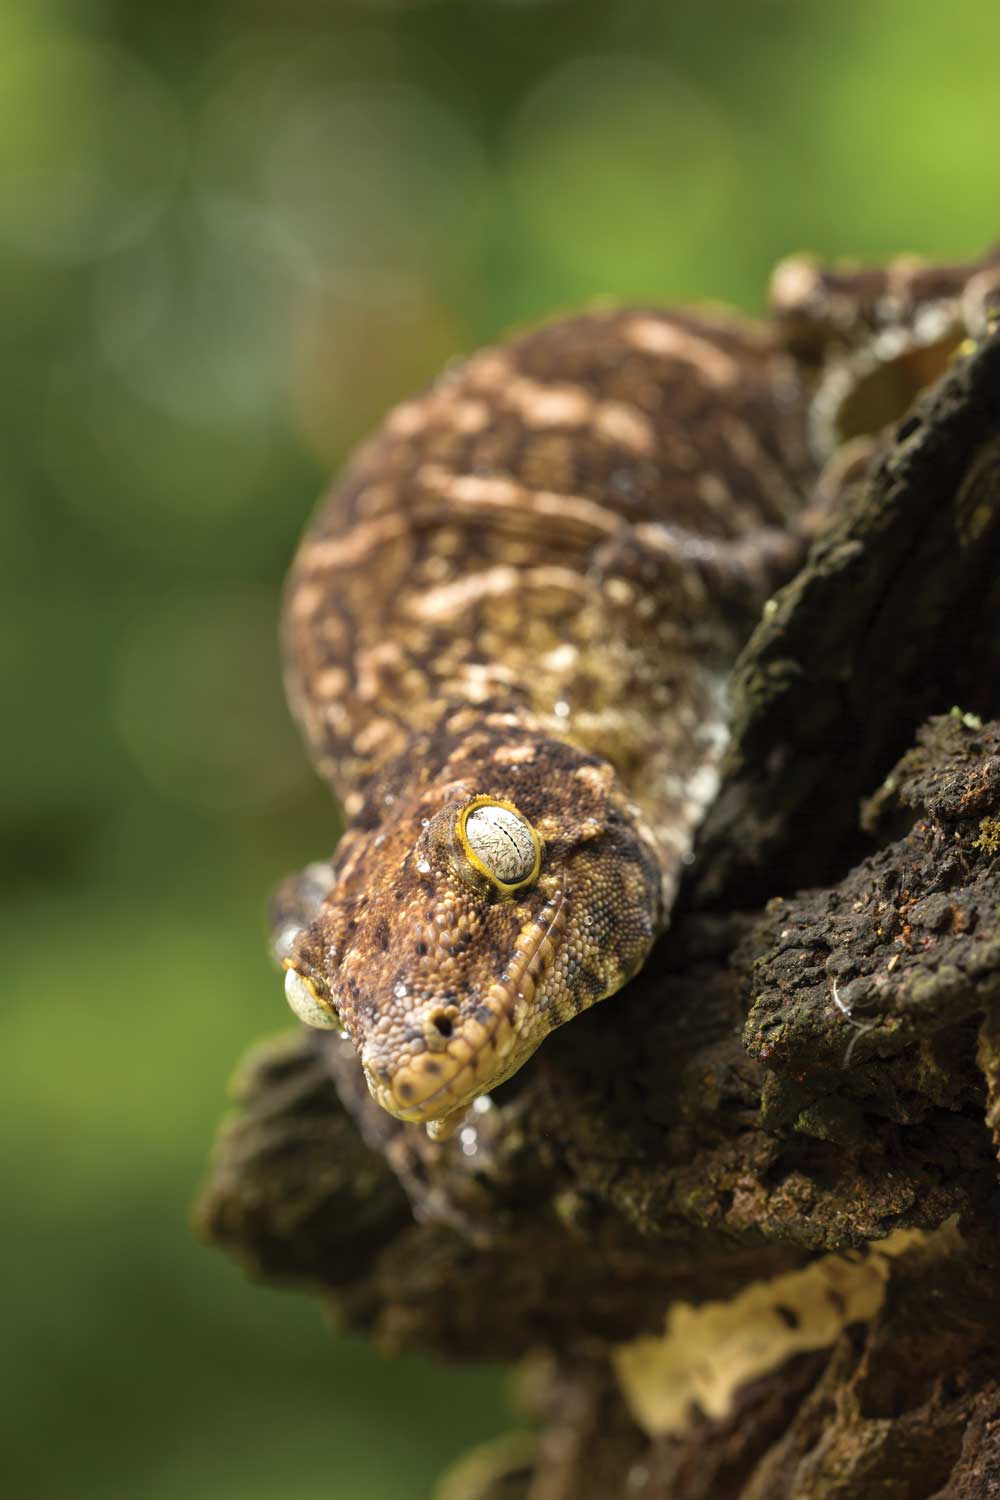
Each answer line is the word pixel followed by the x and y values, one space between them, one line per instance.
pixel 850 304
pixel 528 586
pixel 875 336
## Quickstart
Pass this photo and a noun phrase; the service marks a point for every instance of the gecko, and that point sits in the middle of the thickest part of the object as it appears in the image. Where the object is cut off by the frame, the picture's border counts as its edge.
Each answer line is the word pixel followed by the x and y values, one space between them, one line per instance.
pixel 507 634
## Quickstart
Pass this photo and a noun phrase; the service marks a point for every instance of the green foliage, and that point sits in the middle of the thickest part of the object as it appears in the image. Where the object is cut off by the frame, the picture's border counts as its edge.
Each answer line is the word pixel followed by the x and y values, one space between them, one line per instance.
pixel 229 237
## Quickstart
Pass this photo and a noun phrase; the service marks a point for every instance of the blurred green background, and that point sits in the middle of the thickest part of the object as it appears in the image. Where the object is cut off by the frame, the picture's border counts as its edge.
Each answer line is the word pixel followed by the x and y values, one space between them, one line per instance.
pixel 230 234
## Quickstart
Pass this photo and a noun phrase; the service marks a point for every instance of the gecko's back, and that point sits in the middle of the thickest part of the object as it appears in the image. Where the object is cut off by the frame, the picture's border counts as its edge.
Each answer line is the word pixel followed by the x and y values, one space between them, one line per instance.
pixel 482 543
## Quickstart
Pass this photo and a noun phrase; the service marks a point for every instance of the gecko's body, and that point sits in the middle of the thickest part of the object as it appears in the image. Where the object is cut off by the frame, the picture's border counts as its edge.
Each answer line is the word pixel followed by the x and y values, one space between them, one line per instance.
pixel 527 589
pixel 507 634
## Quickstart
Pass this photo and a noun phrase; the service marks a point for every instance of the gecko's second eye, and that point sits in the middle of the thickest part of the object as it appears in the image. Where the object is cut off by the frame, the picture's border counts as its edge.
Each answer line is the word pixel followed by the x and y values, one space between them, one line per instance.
pixel 307 1004
pixel 500 843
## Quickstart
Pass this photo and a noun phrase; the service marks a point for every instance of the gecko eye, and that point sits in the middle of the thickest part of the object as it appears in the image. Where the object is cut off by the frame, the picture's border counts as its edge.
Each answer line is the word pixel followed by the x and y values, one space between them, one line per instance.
pixel 500 843
pixel 307 1005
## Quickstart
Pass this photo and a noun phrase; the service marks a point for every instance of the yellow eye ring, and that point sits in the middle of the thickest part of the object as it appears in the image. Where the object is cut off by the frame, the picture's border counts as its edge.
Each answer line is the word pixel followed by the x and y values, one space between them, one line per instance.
pixel 508 840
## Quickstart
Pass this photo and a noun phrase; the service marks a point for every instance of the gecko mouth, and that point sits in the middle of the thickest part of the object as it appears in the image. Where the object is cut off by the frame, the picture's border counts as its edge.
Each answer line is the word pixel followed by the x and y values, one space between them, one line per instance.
pixel 482 1049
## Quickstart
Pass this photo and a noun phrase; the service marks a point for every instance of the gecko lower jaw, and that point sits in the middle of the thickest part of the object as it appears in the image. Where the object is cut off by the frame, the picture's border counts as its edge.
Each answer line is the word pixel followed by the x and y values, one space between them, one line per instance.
pixel 479 1054
pixel 435 1084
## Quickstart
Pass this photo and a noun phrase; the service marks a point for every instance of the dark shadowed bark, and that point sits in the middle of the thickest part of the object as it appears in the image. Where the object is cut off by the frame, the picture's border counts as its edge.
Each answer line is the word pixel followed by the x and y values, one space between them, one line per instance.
pixel 803 1084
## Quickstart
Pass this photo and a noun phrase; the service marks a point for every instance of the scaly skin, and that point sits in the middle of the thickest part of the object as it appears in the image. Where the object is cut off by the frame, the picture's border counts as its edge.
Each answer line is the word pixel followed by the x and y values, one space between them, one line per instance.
pixel 527 588
pixel 526 591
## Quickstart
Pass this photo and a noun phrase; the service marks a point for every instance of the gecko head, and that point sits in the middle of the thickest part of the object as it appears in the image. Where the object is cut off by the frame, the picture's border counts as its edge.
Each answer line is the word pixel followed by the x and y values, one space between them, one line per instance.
pixel 472 923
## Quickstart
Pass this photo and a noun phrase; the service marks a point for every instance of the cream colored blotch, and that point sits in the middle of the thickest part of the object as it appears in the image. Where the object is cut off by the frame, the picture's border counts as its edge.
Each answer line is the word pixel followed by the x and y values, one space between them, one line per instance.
pixel 709 1352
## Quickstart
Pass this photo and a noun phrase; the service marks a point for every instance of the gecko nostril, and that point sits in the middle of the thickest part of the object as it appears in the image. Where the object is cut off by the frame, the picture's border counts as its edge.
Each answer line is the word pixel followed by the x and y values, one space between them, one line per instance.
pixel 441 1023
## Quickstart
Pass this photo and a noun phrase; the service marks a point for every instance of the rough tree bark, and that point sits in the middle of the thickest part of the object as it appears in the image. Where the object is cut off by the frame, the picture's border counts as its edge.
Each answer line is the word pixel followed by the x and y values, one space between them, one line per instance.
pixel 783 1136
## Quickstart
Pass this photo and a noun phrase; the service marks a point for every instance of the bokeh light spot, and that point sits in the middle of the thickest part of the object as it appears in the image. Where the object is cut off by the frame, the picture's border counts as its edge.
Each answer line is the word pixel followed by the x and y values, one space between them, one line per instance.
pixel 197 316
pixel 199 701
pixel 376 175
pixel 618 167
pixel 104 447
pixel 343 384
pixel 91 146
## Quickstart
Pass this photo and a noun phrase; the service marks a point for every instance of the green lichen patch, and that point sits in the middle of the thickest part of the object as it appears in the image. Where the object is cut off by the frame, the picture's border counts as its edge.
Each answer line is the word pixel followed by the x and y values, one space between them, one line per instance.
pixel 989 835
